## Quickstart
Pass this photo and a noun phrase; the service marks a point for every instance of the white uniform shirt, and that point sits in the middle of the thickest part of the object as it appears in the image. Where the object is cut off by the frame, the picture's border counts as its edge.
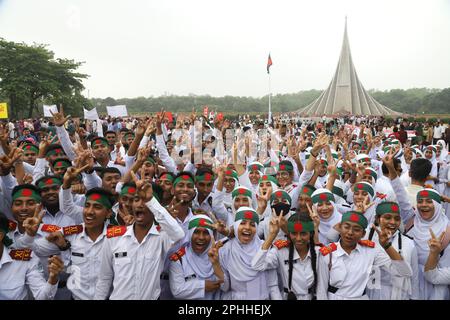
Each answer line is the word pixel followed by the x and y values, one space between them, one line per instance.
pixel 17 275
pixel 134 268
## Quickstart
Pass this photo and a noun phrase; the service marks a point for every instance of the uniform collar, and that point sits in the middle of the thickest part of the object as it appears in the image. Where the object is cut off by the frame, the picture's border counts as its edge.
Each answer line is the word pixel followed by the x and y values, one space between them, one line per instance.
pixel 103 234
pixel 341 252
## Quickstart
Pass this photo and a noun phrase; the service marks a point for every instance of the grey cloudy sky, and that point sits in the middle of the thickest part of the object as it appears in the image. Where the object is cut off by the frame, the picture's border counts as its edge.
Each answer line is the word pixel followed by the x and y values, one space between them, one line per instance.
pixel 151 47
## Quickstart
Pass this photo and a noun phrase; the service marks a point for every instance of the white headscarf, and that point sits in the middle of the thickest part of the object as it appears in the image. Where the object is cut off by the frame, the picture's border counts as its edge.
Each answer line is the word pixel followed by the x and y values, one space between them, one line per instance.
pixel 326 224
pixel 241 255
pixel 199 263
pixel 421 230
pixel 444 152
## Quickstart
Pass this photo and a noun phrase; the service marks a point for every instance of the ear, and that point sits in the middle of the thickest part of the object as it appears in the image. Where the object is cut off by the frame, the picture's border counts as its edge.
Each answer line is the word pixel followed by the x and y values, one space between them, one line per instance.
pixel 109 213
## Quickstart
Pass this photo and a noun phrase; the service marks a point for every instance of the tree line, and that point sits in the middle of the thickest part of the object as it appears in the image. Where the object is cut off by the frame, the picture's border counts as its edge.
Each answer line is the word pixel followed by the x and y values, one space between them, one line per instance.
pixel 31 76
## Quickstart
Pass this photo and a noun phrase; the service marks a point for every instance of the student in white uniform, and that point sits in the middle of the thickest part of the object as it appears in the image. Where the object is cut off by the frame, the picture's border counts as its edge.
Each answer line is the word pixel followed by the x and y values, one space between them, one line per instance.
pixel 295 259
pixel 344 267
pixel 191 274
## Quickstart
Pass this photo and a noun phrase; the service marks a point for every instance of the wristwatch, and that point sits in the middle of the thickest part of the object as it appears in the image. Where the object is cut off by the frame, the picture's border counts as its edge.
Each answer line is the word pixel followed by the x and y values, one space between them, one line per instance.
pixel 387 245
pixel 66 246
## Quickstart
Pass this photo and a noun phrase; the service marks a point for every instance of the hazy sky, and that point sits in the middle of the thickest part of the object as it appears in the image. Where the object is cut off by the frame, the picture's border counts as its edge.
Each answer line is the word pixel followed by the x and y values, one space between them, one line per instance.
pixel 151 47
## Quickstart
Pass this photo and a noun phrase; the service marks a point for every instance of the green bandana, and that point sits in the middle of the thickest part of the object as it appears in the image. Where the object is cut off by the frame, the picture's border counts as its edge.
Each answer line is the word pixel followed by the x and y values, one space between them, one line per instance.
pixel 28 193
pixel 356 217
pixel 372 172
pixel 266 178
pixel 128 190
pixel 338 191
pixel 61 163
pixel 231 173
pixel 99 142
pixel 200 223
pixel 255 167
pixel 184 178
pixel 99 198
pixel 241 192
pixel 30 147
pixel 323 162
pixel 387 207
pixel 247 214
pixel 334 155
pixel 429 194
pixel 204 177
pixel 365 187
pixel 285 167
pixel 167 177
pixel 308 190
pixel 280 194
pixel 323 197
pixel 296 225
pixel 55 152
pixel 151 160
pixel 52 181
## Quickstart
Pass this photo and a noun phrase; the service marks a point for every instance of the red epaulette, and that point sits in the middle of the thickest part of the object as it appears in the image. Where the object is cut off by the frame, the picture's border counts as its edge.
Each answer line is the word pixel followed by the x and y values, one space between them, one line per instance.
pixel 328 249
pixel 116 231
pixel 367 243
pixel 50 228
pixel 280 244
pixel 177 255
pixel 69 230
pixel 12 225
pixel 21 254
pixel 319 244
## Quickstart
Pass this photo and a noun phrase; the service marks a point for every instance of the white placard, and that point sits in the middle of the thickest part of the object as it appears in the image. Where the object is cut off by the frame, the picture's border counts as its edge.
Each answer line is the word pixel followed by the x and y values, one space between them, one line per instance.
pixel 117 111
pixel 47 109
pixel 90 114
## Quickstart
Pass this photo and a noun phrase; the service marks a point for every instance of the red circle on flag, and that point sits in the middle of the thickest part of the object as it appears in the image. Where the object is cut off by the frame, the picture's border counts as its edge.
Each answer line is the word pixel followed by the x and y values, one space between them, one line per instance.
pixel 359 186
pixel 255 167
pixel 368 171
pixel 305 190
pixel 185 177
pixel 394 208
pixel 28 147
pixel 27 192
pixel 248 215
pixel 323 196
pixel 424 193
pixel 95 196
pixel 228 172
pixel 298 227
pixel 49 181
pixel 282 167
pixel 279 194
pixel 59 164
pixel 208 176
pixel 131 190
pixel 202 222
pixel 354 217
pixel 58 150
pixel 264 177
pixel 242 191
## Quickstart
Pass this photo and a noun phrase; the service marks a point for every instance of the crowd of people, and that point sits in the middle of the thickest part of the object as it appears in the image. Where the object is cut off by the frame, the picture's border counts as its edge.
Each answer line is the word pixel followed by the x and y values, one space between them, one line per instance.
pixel 214 208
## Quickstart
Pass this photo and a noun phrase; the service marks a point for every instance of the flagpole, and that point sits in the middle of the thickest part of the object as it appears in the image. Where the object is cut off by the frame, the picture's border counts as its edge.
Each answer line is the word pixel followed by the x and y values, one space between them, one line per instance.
pixel 269 120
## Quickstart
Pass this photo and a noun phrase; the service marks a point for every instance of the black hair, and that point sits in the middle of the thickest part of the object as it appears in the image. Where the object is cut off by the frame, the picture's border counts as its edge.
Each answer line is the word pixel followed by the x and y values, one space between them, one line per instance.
pixel 202 170
pixel 420 169
pixel 110 131
pixel 109 170
pixel 45 178
pixel 104 192
pixel 386 170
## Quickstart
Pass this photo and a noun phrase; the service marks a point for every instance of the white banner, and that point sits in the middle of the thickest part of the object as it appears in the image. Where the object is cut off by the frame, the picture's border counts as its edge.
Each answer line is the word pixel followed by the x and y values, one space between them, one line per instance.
pixel 47 109
pixel 90 114
pixel 117 111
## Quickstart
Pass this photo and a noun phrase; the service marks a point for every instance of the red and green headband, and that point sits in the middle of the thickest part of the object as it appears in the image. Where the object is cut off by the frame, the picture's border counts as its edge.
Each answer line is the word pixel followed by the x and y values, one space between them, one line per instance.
pixel 200 223
pixel 53 181
pixel 266 178
pixel 61 163
pixel 247 214
pixel 285 167
pixel 364 187
pixel 128 190
pixel 354 216
pixel 387 207
pixel 255 167
pixel 295 225
pixel 280 194
pixel 205 177
pixel 372 172
pixel 184 178
pixel 323 162
pixel 322 197
pixel 99 198
pixel 241 192
pixel 429 194
pixel 30 147
pixel 27 193
pixel 231 173
pixel 99 142
pixel 55 152
pixel 166 176
pixel 308 190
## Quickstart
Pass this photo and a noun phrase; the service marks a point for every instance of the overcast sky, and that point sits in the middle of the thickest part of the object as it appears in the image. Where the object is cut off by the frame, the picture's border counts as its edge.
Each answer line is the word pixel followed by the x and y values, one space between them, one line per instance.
pixel 152 47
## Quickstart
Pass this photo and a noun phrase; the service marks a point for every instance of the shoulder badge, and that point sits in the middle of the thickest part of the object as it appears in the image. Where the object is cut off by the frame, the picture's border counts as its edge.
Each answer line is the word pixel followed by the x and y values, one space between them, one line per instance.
pixel 381 195
pixel 280 244
pixel 367 243
pixel 328 249
pixel 116 231
pixel 67 231
pixel 12 225
pixel 21 255
pixel 177 255
pixel 50 228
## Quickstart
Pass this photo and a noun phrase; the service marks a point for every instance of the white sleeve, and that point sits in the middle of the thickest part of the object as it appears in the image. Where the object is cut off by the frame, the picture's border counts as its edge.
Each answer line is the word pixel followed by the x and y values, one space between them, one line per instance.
pixel 41 289
pixel 305 177
pixel 406 209
pixel 99 128
pixel 265 259
pixel 8 183
pixel 39 169
pixel 68 207
pixel 181 288
pixel 92 180
pixel 323 277
pixel 166 159
pixel 438 276
pixel 106 274
pixel 218 207
pixel 66 144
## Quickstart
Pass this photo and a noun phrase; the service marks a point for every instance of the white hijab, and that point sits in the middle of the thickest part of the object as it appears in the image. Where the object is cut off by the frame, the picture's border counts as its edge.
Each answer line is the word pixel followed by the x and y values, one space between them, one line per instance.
pixel 199 263
pixel 241 255
pixel 326 224
pixel 421 230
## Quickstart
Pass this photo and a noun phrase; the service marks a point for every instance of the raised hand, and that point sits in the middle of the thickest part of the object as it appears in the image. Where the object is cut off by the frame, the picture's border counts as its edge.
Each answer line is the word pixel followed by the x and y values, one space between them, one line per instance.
pixel 56 238
pixel 314 216
pixel 274 224
pixel 364 205
pixel 31 224
pixel 58 118
pixel 435 243
pixel 213 252
pixel 384 236
pixel 144 188
pixel 72 173
pixel 55 267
